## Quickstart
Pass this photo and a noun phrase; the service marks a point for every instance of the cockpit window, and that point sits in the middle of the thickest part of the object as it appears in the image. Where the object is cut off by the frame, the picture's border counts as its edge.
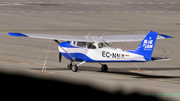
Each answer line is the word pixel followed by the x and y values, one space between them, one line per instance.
pixel 74 42
pixel 81 44
pixel 89 45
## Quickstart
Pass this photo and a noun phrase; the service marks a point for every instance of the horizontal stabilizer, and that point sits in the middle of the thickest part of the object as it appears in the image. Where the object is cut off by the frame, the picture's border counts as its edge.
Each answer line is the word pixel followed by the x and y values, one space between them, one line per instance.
pixel 159 58
pixel 165 36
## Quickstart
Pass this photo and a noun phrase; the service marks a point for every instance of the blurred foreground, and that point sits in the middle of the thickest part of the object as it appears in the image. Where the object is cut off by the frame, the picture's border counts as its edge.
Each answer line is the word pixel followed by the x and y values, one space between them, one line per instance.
pixel 21 87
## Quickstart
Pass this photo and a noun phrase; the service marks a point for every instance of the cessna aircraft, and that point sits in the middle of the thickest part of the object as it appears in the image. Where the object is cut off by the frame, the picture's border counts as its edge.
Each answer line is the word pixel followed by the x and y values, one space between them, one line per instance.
pixel 98 48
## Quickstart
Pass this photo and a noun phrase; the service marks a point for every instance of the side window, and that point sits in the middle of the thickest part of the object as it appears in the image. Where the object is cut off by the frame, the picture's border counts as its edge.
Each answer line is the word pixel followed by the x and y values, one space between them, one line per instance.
pixel 91 46
pixel 81 44
pixel 101 45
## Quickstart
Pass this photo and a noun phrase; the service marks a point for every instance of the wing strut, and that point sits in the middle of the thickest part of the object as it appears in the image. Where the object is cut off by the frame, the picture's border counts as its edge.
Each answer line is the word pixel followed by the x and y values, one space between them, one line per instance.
pixel 88 34
pixel 68 53
pixel 102 35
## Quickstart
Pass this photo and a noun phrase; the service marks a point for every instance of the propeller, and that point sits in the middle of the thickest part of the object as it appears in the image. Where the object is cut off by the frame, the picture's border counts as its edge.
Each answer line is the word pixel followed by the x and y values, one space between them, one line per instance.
pixel 56 41
pixel 60 55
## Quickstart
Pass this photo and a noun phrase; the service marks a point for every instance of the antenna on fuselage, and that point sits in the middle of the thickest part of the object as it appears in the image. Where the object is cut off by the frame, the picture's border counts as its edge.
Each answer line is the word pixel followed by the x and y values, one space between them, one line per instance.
pixel 88 34
pixel 102 35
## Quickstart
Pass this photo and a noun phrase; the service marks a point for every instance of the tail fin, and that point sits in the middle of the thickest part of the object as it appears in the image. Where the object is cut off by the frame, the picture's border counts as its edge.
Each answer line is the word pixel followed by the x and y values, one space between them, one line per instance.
pixel 147 45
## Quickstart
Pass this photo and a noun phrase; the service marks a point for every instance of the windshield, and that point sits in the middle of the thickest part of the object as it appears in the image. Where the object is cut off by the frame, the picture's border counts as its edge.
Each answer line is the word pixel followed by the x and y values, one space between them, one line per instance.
pixel 89 45
pixel 81 44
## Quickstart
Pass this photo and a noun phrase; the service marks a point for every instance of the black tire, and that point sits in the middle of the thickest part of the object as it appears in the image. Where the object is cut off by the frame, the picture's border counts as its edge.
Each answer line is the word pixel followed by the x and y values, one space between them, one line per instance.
pixel 74 68
pixel 104 68
pixel 69 66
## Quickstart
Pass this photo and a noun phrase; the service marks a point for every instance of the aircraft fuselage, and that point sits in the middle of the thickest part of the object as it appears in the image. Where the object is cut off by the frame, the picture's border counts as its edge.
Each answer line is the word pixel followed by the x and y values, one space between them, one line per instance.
pixel 104 54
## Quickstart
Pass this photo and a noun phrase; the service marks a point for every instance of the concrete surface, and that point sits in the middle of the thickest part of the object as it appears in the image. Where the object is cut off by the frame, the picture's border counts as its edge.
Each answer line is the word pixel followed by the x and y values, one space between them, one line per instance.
pixel 78 18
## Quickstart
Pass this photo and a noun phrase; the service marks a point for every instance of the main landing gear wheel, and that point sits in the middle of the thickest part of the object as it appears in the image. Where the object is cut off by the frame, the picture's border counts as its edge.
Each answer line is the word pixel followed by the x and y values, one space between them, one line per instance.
pixel 74 68
pixel 69 66
pixel 104 68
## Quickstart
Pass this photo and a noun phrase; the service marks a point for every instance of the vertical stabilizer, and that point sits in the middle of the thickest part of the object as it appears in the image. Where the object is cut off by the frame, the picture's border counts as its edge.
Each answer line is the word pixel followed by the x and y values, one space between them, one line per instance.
pixel 147 45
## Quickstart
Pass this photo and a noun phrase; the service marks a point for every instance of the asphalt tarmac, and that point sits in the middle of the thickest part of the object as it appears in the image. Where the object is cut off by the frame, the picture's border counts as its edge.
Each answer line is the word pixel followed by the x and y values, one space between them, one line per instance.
pixel 26 56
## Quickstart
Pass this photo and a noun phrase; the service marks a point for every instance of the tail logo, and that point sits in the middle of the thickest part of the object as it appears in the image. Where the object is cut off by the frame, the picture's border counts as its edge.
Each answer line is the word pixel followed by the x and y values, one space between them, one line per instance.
pixel 148 44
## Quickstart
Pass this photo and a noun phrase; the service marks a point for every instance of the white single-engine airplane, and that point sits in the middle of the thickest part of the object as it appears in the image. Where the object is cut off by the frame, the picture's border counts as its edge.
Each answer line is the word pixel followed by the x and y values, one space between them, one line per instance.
pixel 97 48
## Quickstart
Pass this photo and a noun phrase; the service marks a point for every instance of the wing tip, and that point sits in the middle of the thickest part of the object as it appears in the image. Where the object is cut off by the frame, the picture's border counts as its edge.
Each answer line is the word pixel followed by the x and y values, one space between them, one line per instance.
pixel 17 34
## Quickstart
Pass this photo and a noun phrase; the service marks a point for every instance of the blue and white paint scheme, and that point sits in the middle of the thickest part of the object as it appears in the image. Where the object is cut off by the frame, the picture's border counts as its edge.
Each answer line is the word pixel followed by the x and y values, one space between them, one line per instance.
pixel 97 49
pixel 98 54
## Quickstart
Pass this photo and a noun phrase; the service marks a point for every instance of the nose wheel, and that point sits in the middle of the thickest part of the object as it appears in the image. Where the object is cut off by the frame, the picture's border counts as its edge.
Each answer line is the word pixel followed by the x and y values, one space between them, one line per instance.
pixel 72 66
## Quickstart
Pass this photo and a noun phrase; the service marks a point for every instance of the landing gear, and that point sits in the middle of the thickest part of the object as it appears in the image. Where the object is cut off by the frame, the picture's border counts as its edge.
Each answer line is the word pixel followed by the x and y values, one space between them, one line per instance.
pixel 69 66
pixel 104 68
pixel 74 68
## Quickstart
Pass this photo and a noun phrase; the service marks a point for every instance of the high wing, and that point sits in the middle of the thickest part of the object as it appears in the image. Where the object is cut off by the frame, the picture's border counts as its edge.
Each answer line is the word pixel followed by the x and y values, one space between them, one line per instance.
pixel 57 37
pixel 105 38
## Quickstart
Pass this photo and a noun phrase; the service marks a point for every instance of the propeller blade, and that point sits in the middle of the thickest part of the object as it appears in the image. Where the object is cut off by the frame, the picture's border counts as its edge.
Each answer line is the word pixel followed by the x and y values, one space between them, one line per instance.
pixel 56 41
pixel 60 55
